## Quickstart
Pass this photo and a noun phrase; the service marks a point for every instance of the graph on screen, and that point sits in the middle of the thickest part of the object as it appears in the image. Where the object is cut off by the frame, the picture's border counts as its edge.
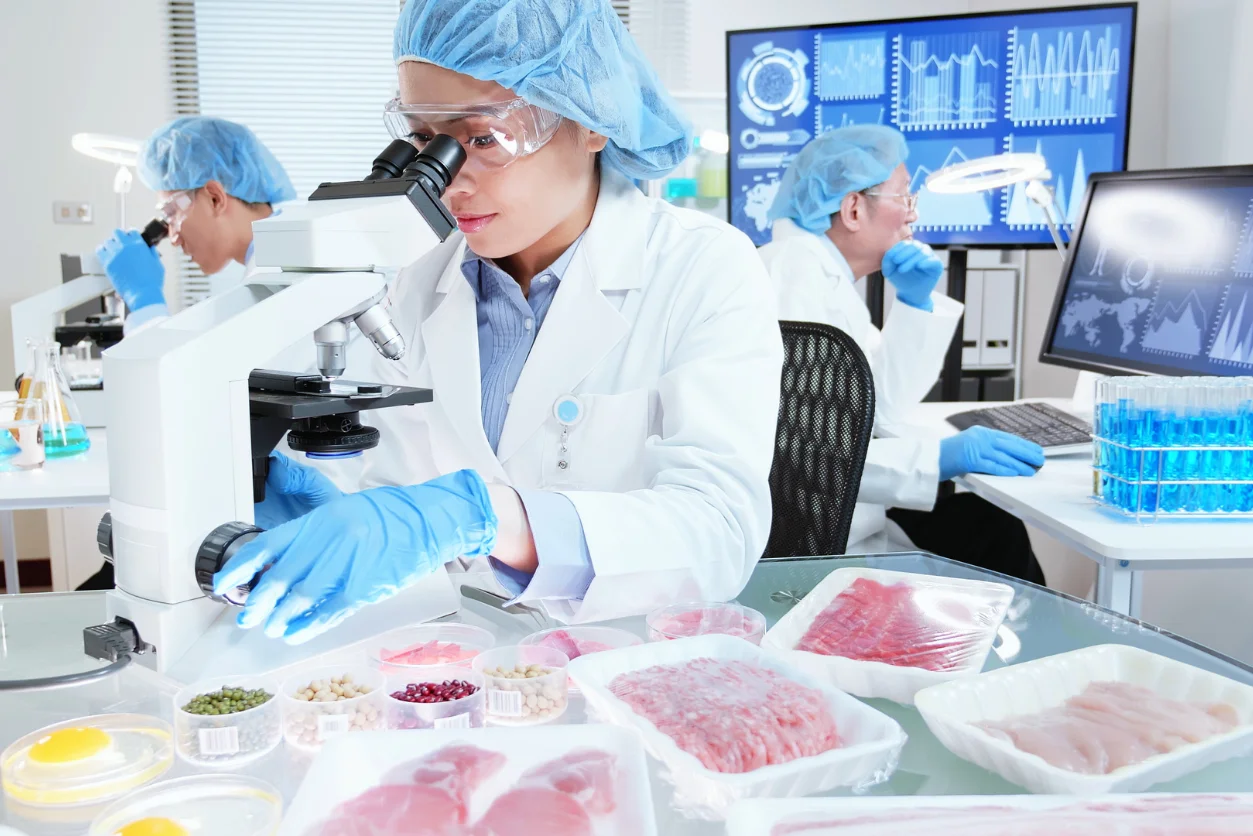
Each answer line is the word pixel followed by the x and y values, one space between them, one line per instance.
pixel 946 81
pixel 941 212
pixel 1234 341
pixel 1243 264
pixel 851 68
pixel 1063 75
pixel 1177 320
pixel 1071 158
pixel 832 116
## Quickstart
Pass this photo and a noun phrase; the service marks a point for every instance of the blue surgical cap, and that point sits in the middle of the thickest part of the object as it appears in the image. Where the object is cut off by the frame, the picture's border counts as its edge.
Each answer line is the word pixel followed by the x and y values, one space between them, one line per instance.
pixel 192 150
pixel 835 164
pixel 573 57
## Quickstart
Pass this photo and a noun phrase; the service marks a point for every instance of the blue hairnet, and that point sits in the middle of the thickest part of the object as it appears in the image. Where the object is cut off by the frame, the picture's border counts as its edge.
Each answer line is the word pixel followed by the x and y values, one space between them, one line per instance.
pixel 192 150
pixel 835 164
pixel 573 57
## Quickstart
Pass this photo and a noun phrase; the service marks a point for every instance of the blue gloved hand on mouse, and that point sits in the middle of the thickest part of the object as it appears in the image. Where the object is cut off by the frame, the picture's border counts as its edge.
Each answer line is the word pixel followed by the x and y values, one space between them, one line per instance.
pixel 134 268
pixel 989 451
pixel 914 270
pixel 292 490
pixel 358 549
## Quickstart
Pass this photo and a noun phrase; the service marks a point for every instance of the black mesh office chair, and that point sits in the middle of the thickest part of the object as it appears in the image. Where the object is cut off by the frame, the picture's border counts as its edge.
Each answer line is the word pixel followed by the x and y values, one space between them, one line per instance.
pixel 826 414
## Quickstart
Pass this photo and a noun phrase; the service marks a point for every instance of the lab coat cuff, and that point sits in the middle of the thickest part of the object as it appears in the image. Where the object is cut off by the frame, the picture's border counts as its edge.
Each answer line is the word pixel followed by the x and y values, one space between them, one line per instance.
pixel 565 562
pixel 136 319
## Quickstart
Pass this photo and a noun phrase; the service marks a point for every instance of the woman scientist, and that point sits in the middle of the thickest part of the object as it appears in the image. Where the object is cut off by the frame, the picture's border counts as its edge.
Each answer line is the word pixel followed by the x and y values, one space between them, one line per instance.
pixel 843 211
pixel 606 366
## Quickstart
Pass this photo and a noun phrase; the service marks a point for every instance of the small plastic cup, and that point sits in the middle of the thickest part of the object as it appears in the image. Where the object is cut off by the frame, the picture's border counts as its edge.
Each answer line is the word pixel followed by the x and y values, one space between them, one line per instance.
pixel 580 641
pixel 680 621
pixel 227 740
pixel 540 695
pixel 308 724
pixel 21 435
pixel 466 713
pixel 409 650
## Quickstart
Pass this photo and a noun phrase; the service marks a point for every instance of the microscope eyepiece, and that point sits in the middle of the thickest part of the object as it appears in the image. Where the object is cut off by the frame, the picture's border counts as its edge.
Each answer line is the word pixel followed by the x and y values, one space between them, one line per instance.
pixel 439 162
pixel 391 163
pixel 155 232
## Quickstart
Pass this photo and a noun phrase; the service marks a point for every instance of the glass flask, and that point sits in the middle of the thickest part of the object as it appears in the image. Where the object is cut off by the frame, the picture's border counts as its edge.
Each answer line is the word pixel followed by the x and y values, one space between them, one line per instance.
pixel 44 381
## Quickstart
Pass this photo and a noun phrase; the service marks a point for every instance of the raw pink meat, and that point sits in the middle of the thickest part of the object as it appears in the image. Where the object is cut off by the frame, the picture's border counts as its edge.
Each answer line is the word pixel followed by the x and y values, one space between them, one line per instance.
pixel 572 647
pixel 731 715
pixel 1111 725
pixel 708 620
pixel 458 769
pixel 429 653
pixel 873 622
pixel 534 811
pixel 588 775
pixel 1165 815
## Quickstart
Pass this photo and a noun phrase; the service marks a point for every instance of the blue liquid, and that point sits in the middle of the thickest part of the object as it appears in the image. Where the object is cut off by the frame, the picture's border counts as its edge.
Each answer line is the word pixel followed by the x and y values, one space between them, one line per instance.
pixel 66 440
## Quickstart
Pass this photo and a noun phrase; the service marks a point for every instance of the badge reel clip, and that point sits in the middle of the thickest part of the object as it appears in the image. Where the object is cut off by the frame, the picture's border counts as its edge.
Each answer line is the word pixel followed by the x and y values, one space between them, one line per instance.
pixel 568 410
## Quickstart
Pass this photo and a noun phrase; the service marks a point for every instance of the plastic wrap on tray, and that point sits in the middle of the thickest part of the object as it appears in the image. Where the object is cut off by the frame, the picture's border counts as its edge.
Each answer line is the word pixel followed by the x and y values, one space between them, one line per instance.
pixel 733 716
pixel 1212 815
pixel 680 621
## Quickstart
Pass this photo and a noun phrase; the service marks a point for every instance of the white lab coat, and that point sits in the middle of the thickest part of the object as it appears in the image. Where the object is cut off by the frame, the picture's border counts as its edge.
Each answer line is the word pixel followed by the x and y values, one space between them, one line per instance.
pixel 814 283
pixel 664 328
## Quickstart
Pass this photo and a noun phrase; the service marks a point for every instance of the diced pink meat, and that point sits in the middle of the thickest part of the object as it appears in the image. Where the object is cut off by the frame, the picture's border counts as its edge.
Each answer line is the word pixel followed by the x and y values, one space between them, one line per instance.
pixel 900 624
pixel 588 775
pixel 1111 725
pixel 429 653
pixel 534 811
pixel 571 646
pixel 731 715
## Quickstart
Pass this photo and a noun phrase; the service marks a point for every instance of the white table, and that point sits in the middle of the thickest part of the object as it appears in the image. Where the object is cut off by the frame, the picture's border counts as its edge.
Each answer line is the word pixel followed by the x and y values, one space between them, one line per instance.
pixel 60 483
pixel 1057 501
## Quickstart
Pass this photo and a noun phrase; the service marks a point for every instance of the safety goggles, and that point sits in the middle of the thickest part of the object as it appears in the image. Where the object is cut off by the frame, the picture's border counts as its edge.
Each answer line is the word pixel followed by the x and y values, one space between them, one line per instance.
pixel 910 199
pixel 175 208
pixel 494 134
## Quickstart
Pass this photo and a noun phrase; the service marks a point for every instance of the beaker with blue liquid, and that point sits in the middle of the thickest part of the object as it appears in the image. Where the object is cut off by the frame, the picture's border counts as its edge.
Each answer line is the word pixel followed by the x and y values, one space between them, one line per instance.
pixel 64 433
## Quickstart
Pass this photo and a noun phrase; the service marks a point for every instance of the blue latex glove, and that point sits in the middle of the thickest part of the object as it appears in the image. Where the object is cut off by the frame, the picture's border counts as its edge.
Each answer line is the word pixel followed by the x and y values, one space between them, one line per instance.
pixel 913 269
pixel 984 450
pixel 292 490
pixel 134 268
pixel 357 550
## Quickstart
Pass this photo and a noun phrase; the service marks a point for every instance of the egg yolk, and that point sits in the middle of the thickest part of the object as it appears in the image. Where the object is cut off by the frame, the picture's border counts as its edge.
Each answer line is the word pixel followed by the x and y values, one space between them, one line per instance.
pixel 155 826
pixel 69 745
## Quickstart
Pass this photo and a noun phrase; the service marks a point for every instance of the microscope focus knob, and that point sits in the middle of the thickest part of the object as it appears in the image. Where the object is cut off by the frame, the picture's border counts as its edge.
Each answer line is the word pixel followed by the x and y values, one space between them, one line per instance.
pixel 104 536
pixel 219 547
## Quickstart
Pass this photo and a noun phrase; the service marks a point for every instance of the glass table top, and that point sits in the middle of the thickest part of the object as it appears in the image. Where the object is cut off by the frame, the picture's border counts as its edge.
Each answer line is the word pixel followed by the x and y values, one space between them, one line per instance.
pixel 41 634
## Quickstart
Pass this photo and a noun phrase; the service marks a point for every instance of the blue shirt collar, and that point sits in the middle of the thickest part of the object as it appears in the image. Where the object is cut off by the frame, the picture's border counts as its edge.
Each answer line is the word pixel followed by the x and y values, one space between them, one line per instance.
pixel 471 262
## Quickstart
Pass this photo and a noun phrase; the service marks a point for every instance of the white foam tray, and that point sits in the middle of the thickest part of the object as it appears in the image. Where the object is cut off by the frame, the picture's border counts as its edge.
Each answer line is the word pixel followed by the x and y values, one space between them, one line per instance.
pixel 951 709
pixel 758 817
pixel 879 679
pixel 873 740
pixel 350 764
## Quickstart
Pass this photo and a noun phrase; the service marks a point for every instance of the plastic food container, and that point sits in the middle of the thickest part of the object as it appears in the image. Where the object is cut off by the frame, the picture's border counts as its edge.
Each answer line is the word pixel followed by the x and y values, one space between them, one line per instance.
pixel 681 621
pixel 86 761
pixel 307 724
pixel 871 742
pixel 465 713
pixel 581 640
pixel 227 740
pixel 355 763
pixel 425 645
pixel 524 700
pixel 951 710
pixel 965 617
pixel 203 805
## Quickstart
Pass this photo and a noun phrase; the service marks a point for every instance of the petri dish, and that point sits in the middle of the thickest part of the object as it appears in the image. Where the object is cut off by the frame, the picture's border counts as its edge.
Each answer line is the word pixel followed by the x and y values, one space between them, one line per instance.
pixel 409 648
pixel 679 621
pixel 202 805
pixel 86 761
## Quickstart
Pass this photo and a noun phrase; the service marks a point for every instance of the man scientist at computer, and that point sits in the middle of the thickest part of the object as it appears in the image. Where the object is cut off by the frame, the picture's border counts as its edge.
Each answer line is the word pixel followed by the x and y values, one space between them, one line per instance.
pixel 843 211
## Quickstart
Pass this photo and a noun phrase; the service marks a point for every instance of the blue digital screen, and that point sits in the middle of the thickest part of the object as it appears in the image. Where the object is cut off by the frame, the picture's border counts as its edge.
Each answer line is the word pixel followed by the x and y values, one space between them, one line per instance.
pixel 1161 277
pixel 1056 82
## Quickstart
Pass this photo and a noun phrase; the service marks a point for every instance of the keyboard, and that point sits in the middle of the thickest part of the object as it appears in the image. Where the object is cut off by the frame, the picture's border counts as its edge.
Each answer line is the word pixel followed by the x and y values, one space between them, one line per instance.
pixel 1054 430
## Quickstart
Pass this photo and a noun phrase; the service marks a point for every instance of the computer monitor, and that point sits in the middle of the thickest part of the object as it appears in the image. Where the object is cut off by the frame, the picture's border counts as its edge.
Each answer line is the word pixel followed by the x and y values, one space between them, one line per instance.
pixel 1057 81
pixel 1159 276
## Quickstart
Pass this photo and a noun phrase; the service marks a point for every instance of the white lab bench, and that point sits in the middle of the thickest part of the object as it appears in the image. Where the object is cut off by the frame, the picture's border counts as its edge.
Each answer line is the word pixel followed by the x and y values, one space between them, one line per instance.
pixel 60 483
pixel 1057 500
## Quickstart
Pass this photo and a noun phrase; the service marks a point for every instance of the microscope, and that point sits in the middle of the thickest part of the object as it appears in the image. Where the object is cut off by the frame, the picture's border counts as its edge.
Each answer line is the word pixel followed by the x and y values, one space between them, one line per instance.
pixel 192 421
